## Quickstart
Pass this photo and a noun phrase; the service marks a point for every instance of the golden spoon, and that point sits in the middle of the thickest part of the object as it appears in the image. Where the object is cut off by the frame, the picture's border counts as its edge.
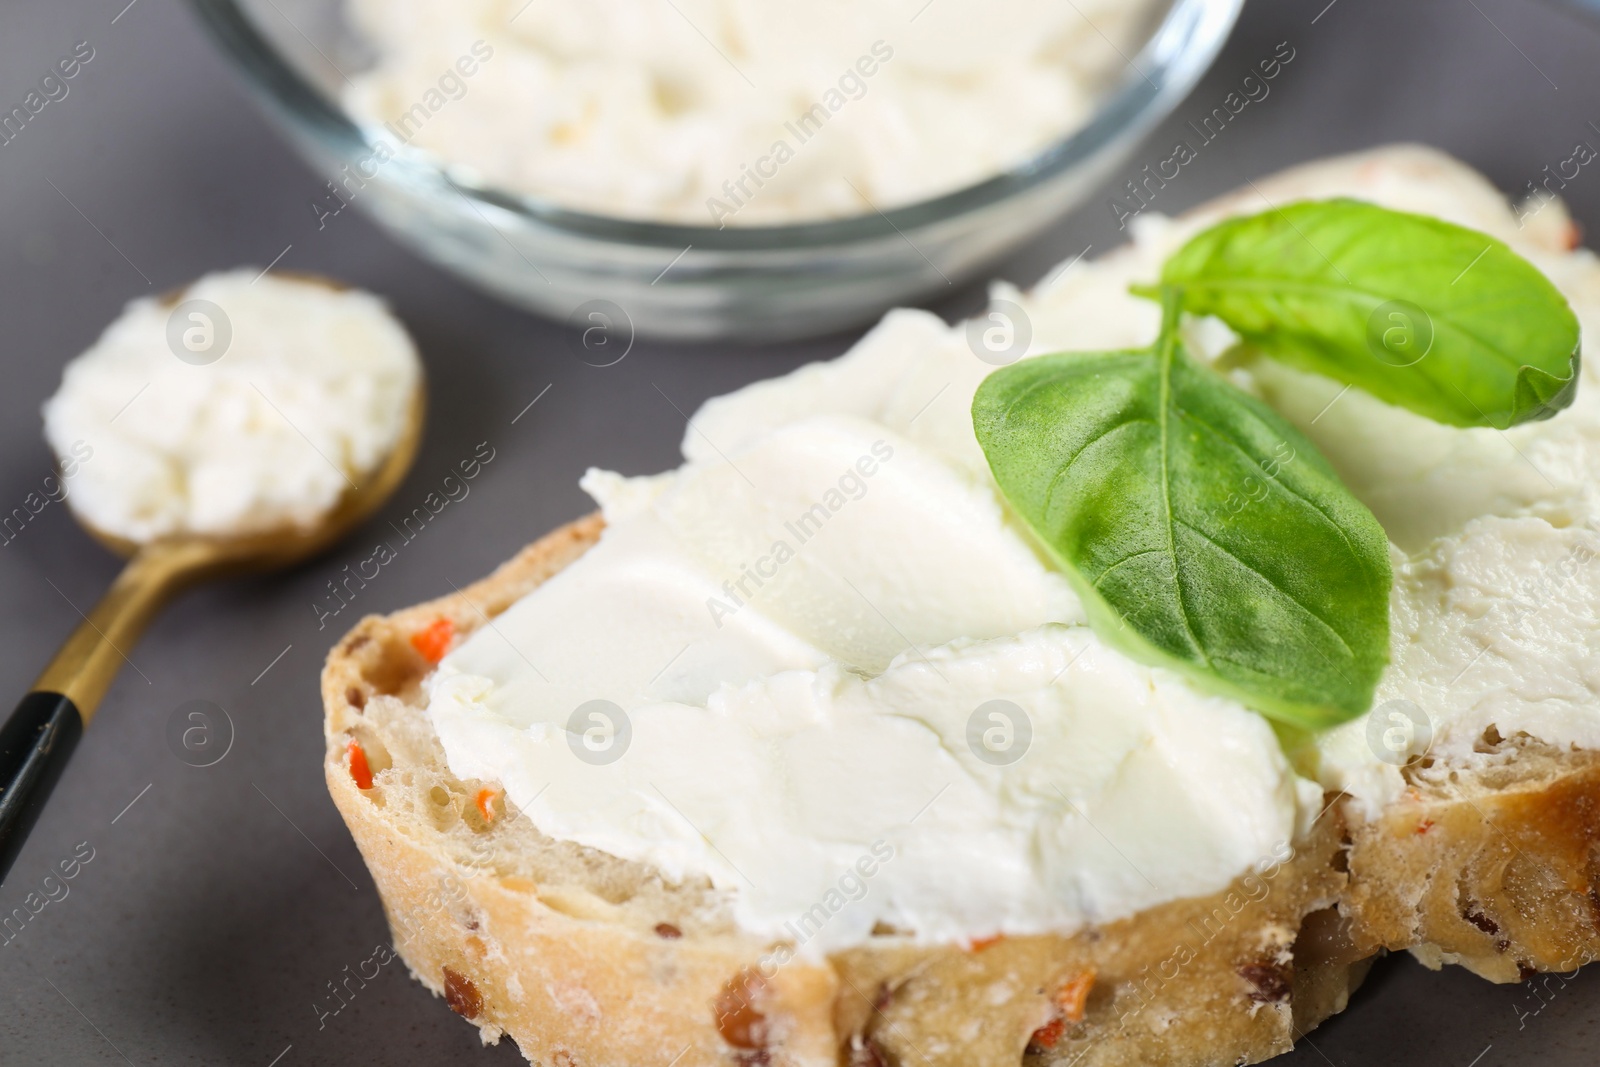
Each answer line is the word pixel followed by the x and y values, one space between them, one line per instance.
pixel 38 739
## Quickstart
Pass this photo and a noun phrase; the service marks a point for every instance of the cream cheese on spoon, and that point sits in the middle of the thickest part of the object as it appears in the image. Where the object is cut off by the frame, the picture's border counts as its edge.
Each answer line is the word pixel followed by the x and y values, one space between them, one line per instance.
pixel 248 402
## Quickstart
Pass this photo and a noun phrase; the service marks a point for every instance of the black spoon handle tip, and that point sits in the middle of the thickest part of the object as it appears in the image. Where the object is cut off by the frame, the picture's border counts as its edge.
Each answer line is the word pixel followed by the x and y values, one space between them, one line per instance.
pixel 35 744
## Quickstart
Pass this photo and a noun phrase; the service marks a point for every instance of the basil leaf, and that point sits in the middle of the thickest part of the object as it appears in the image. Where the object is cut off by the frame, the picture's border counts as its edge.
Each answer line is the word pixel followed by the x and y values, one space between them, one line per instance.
pixel 1430 316
pixel 1201 530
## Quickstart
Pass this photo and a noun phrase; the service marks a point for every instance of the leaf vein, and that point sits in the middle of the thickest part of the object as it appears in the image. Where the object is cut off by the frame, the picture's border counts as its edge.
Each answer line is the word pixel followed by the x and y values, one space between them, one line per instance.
pixel 1274 479
pixel 1208 539
pixel 1055 482
pixel 1165 406
pixel 1126 559
pixel 1272 284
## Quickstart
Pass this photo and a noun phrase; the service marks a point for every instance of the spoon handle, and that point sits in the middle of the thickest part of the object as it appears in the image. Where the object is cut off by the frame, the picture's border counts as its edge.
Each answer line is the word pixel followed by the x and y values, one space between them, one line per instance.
pixel 35 744
pixel 38 739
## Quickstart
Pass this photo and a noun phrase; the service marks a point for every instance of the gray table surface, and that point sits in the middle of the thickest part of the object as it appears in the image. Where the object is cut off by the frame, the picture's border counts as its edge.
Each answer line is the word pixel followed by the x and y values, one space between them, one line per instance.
pixel 220 901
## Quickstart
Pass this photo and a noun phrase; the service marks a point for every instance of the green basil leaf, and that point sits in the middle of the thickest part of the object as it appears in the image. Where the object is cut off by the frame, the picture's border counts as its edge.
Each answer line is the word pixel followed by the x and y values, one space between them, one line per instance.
pixel 1202 531
pixel 1430 316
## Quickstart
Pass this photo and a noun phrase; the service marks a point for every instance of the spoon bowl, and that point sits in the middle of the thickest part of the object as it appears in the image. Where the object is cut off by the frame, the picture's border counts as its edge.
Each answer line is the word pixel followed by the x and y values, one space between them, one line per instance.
pixel 39 737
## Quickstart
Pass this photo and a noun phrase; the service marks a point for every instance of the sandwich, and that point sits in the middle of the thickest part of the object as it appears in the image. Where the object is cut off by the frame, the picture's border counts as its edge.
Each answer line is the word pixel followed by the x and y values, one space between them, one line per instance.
pixel 1024 692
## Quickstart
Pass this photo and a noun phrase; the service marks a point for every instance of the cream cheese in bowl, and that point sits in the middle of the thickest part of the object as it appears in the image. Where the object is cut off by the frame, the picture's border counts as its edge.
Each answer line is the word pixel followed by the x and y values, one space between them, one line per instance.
pixel 738 112
pixel 714 168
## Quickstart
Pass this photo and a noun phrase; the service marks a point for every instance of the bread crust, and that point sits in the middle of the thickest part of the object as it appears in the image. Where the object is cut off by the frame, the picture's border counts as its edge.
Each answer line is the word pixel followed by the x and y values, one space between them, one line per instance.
pixel 1496 868
pixel 590 961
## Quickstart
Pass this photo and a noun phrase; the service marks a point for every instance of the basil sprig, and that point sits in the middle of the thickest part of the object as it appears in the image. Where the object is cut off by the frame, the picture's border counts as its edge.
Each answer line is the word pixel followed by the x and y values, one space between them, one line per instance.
pixel 1202 531
pixel 1445 321
pixel 1130 466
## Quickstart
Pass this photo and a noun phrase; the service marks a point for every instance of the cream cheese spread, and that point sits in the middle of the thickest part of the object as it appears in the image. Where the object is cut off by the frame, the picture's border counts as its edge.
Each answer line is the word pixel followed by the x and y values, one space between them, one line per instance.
pixel 248 402
pixel 737 112
pixel 825 639
pixel 833 645
pixel 1496 605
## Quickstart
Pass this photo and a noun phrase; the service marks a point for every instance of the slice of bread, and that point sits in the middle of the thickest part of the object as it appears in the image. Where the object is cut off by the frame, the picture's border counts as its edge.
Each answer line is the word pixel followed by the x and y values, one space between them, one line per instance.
pixel 588 960
pixel 1490 861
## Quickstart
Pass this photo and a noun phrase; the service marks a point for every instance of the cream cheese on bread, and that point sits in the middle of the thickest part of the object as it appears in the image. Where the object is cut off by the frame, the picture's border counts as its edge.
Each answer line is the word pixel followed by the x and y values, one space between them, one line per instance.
pixel 819 715
pixel 816 706
pixel 1496 605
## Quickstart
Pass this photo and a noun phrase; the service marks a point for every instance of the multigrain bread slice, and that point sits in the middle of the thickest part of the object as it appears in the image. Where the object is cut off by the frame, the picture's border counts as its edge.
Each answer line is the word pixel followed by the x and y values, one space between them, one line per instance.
pixel 1496 867
pixel 588 960
pixel 1491 861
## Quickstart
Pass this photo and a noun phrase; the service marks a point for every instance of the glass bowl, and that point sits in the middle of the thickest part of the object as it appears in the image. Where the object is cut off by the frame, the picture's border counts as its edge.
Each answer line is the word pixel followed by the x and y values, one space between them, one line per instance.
pixel 695 282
